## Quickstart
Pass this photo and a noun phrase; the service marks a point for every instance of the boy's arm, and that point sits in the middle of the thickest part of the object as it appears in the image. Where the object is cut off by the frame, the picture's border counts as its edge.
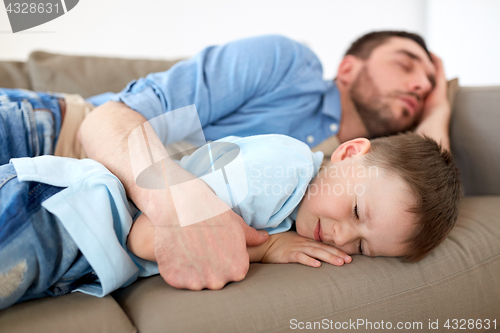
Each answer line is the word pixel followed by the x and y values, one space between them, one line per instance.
pixel 141 238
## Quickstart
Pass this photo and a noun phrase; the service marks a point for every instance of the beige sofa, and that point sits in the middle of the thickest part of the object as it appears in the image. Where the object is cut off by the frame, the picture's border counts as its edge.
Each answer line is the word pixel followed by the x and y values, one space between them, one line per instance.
pixel 459 280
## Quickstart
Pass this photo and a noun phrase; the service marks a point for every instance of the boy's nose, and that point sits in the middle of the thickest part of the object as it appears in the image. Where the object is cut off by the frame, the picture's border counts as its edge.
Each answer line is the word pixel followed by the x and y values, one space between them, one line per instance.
pixel 344 233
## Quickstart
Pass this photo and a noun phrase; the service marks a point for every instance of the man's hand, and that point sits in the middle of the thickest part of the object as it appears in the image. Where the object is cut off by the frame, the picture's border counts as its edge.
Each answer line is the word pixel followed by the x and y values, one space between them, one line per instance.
pixel 435 118
pixel 438 97
pixel 171 240
pixel 204 255
pixel 208 254
pixel 290 247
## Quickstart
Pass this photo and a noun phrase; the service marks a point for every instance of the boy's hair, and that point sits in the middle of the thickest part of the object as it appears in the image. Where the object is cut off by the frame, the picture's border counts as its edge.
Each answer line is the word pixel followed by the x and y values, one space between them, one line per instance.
pixel 364 45
pixel 434 180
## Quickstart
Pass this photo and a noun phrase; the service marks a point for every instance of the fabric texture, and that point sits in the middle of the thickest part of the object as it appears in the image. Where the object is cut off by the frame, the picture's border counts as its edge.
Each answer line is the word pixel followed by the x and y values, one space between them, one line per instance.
pixel 86 75
pixel 29 124
pixel 76 110
pixel 38 256
pixel 75 312
pixel 260 85
pixel 474 138
pixel 275 170
pixel 101 232
pixel 14 74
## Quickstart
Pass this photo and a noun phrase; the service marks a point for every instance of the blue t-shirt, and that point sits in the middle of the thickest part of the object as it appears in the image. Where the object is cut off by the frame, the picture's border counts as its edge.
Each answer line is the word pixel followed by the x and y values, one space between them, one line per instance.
pixel 264 180
pixel 258 85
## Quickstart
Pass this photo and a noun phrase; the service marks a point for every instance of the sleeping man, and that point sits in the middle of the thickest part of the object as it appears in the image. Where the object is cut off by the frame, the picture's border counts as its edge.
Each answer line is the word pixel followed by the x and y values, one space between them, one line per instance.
pixel 387 82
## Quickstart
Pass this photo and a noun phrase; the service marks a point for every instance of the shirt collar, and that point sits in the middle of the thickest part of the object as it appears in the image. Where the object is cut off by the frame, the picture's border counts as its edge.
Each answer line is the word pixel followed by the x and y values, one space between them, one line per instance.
pixel 331 101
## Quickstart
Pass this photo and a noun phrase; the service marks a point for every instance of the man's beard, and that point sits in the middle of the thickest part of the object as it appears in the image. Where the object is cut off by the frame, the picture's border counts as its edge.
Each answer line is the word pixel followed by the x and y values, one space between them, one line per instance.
pixel 374 112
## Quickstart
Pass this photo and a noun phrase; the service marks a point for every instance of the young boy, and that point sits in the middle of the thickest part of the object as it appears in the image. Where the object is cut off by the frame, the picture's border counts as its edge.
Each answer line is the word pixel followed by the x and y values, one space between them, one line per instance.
pixel 395 196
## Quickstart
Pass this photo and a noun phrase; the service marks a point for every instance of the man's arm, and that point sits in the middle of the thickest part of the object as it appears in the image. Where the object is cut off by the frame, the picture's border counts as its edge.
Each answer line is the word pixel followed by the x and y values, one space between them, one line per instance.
pixel 140 241
pixel 435 120
pixel 286 247
pixel 208 254
pixel 218 80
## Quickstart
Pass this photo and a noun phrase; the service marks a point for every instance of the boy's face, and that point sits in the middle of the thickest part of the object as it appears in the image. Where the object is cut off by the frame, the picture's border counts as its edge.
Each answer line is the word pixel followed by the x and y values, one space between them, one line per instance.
pixel 354 207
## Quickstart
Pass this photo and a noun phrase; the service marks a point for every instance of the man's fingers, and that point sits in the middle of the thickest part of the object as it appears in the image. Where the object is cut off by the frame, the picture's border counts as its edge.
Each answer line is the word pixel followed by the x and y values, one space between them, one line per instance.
pixel 252 236
pixel 438 63
pixel 191 281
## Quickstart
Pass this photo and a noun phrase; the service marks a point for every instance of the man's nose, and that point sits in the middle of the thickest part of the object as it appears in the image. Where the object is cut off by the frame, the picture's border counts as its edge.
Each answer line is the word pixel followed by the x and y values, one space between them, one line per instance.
pixel 419 83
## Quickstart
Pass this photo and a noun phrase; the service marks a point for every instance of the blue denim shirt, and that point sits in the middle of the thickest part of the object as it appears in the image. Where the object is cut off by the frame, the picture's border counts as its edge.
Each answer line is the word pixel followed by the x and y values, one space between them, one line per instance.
pixel 259 85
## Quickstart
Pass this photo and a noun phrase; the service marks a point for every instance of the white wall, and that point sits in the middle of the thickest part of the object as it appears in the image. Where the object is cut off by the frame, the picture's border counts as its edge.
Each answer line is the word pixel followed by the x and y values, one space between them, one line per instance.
pixel 166 29
pixel 169 29
pixel 466 34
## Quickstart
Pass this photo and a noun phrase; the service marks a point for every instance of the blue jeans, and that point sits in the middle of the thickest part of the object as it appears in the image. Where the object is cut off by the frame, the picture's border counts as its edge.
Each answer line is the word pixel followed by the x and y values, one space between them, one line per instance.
pixel 37 255
pixel 29 123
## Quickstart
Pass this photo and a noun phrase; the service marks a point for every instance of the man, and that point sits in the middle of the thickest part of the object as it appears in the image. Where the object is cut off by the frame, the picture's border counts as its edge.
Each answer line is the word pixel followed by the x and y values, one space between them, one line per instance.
pixel 387 82
pixel 259 85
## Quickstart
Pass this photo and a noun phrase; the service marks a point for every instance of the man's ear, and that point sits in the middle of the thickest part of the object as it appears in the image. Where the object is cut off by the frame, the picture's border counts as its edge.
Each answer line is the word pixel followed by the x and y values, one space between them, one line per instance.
pixel 351 148
pixel 348 69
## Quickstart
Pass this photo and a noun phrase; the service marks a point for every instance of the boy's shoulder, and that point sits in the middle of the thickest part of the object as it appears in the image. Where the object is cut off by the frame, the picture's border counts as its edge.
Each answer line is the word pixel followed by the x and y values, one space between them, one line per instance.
pixel 261 153
pixel 277 144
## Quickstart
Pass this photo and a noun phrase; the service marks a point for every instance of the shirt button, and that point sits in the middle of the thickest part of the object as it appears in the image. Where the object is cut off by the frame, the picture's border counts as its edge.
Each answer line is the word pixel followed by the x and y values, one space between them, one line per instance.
pixel 310 139
pixel 334 127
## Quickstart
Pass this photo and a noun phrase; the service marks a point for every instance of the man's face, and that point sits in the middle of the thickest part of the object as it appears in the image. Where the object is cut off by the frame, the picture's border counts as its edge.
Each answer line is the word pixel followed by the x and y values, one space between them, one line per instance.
pixel 357 209
pixel 390 88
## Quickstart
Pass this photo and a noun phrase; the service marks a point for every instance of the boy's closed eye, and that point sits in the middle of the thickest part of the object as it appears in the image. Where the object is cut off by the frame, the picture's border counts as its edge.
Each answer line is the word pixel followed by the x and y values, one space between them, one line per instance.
pixel 356 216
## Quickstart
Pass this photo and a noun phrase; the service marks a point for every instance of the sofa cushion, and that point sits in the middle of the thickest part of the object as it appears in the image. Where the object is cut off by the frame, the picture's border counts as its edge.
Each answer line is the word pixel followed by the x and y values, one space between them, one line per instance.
pixel 475 138
pixel 457 280
pixel 87 75
pixel 75 312
pixel 14 74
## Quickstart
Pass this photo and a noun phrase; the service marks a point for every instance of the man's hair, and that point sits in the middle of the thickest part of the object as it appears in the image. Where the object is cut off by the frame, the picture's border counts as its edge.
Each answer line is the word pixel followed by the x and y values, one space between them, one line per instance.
pixel 364 45
pixel 434 180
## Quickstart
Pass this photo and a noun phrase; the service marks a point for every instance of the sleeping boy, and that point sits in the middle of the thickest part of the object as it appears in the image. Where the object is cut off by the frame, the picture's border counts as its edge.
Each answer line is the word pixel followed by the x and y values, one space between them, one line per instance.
pixel 396 196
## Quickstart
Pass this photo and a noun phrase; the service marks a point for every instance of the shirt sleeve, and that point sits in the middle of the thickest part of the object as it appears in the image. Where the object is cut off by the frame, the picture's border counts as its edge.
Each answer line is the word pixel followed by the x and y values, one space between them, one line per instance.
pixel 218 80
pixel 267 185
pixel 100 232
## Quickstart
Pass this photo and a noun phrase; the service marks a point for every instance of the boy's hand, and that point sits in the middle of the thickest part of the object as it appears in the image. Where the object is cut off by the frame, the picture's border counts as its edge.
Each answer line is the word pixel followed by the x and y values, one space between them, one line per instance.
pixel 289 247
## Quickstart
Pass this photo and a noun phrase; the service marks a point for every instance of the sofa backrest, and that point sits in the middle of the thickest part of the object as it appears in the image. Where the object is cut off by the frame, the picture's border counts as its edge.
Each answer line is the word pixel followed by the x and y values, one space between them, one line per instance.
pixel 474 128
pixel 88 76
pixel 475 138
pixel 14 74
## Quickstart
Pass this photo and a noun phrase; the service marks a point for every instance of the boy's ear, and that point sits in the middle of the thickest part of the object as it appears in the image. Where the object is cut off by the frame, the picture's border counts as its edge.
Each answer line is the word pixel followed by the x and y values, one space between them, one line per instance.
pixel 351 148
